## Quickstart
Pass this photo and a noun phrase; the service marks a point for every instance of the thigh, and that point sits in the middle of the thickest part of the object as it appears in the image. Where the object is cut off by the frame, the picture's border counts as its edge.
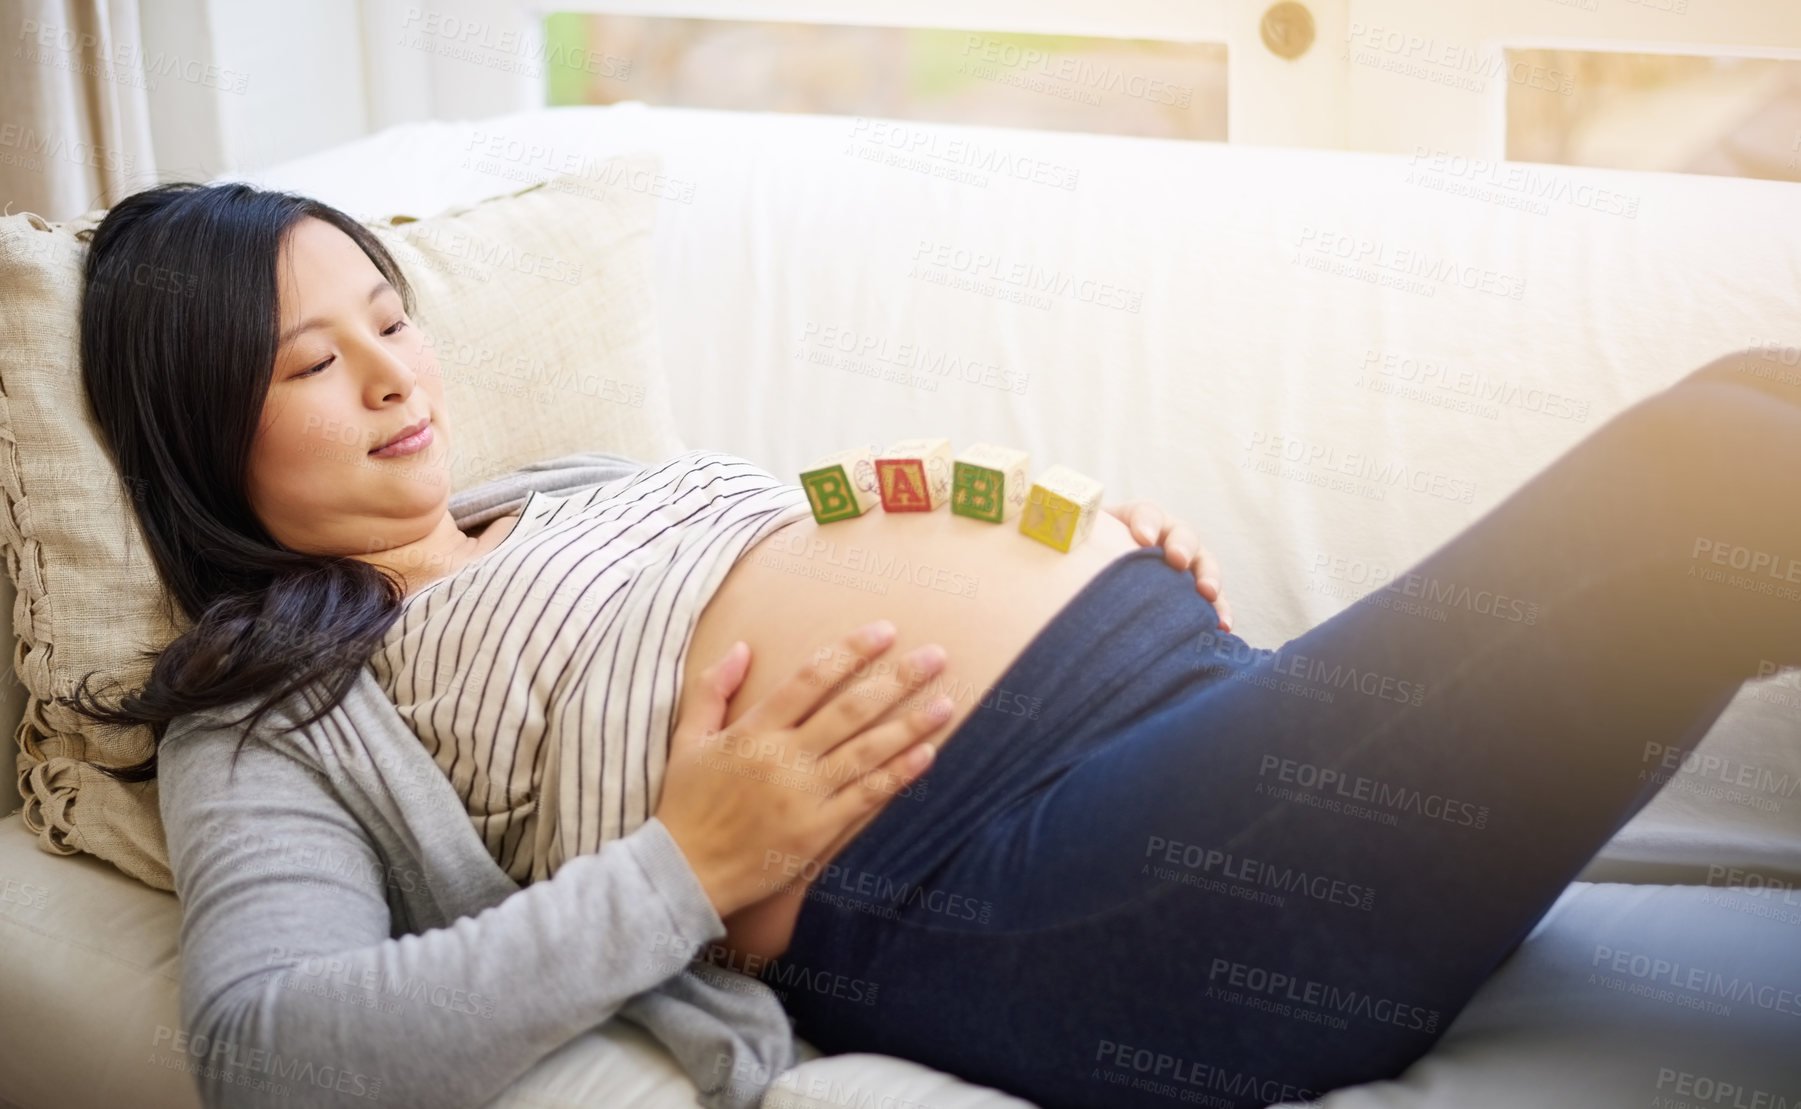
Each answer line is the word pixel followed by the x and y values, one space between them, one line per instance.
pixel 1471 733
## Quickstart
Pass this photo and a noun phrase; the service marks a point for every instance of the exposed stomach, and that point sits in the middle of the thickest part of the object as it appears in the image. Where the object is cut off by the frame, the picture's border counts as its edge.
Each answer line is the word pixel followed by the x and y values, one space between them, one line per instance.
pixel 981 591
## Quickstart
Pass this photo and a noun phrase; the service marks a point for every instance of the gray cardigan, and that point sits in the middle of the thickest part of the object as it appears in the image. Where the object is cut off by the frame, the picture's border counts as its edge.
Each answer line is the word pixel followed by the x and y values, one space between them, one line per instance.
pixel 347 938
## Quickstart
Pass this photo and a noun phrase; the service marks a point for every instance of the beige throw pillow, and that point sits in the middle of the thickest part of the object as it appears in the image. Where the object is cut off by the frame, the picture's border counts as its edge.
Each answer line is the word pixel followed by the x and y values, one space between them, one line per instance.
pixel 540 307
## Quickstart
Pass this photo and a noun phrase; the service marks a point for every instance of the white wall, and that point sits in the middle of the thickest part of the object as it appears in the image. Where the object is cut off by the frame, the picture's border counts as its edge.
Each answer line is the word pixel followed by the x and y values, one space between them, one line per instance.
pixel 304 64
pixel 404 39
pixel 184 115
pixel 301 89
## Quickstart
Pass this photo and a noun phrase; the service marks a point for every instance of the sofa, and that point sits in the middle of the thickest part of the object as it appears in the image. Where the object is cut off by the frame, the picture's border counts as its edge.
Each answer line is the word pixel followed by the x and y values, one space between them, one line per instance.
pixel 1327 362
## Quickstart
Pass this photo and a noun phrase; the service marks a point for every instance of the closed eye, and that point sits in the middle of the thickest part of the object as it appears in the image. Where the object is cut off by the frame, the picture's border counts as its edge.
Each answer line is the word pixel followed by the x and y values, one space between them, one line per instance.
pixel 389 330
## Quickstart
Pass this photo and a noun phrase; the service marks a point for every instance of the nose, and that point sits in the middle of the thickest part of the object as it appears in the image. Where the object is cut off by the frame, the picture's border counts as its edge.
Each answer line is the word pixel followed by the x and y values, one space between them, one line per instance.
pixel 386 373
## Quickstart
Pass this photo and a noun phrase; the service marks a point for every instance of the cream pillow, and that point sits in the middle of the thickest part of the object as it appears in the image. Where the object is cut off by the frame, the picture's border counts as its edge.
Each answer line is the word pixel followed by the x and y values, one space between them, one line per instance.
pixel 540 307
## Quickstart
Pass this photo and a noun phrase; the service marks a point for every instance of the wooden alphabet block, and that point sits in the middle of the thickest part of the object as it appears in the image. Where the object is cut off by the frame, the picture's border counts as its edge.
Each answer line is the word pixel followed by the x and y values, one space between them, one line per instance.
pixel 914 474
pixel 989 482
pixel 842 485
pixel 1061 507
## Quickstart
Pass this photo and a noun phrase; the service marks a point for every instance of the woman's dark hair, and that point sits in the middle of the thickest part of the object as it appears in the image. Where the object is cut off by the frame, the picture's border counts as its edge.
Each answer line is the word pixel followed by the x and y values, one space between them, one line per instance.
pixel 179 328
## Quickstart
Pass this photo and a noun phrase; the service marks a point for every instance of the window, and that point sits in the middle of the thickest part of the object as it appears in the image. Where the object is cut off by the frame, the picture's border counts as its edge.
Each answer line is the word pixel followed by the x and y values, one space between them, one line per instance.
pixel 1682 113
pixel 1051 82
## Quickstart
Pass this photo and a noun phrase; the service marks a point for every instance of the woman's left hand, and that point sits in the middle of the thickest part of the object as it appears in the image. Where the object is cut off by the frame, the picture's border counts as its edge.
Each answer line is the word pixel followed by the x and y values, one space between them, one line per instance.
pixel 1182 548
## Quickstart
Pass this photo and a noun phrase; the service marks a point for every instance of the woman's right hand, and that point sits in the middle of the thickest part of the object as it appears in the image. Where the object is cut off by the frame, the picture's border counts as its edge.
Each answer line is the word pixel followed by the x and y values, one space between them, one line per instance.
pixel 787 778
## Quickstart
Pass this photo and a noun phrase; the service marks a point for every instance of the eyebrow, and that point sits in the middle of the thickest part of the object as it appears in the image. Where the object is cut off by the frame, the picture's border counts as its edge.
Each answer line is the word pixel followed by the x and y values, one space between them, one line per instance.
pixel 308 325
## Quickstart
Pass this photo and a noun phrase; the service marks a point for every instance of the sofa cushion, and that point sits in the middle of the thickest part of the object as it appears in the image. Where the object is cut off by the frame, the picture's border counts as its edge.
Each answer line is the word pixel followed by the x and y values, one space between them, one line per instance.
pixel 539 305
pixel 1641 996
pixel 1622 995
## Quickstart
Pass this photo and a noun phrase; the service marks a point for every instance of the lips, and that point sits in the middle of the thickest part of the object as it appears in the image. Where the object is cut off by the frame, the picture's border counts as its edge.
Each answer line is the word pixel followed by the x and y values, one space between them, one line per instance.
pixel 404 432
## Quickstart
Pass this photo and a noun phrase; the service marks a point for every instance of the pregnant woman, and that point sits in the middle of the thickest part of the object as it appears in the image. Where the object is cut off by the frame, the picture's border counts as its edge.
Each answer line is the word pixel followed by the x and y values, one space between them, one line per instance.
pixel 1147 856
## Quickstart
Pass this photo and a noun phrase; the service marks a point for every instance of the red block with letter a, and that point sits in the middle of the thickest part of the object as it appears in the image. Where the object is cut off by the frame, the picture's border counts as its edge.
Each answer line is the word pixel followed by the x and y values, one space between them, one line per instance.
pixel 914 475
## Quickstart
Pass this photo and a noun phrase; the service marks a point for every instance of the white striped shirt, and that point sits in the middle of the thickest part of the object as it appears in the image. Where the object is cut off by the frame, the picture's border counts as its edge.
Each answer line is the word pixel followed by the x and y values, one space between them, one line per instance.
pixel 543 675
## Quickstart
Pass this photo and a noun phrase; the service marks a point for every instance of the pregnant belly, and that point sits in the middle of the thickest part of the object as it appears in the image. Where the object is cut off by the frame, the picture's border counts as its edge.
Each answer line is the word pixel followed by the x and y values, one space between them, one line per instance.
pixel 979 590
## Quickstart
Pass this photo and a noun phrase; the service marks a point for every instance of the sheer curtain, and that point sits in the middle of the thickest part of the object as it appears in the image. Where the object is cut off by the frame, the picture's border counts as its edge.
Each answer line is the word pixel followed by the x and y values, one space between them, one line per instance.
pixel 74 105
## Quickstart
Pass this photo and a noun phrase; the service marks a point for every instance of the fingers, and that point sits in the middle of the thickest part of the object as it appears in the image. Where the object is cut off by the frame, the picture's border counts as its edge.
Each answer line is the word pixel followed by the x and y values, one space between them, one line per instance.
pixel 1179 544
pixel 869 748
pixel 1182 549
pixel 876 786
pixel 841 719
pixel 1207 573
pixel 1207 582
pixel 718 683
pixel 1145 520
pixel 795 699
pixel 1208 576
pixel 725 676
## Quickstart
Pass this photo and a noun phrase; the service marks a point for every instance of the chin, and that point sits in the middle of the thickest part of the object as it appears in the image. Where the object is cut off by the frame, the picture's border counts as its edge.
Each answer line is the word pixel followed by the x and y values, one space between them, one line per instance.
pixel 430 476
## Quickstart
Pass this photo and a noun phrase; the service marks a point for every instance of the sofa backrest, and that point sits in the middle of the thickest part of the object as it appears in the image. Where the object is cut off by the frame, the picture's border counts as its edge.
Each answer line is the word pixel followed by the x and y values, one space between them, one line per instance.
pixel 1410 338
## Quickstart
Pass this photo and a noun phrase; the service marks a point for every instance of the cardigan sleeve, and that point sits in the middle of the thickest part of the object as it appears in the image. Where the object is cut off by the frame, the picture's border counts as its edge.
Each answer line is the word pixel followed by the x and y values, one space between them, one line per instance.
pixel 292 983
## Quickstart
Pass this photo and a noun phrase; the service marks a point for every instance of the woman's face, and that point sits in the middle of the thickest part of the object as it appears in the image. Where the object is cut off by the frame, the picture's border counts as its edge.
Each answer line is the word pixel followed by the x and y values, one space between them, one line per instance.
pixel 351 373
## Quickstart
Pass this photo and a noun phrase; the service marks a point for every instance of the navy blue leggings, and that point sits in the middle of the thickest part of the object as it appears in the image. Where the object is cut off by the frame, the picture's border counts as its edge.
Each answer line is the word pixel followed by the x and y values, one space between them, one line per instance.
pixel 1165 867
